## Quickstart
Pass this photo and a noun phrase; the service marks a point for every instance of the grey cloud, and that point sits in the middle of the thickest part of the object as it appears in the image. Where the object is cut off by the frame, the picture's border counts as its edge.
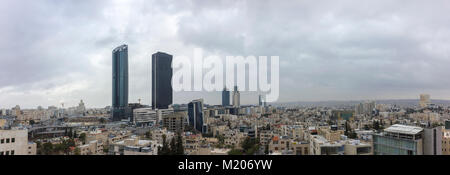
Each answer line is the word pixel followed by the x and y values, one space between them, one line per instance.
pixel 329 50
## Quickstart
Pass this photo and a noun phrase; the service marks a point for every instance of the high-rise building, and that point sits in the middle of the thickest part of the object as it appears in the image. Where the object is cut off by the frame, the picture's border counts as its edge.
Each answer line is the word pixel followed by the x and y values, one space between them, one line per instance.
pixel 236 97
pixel 260 100
pixel 225 97
pixel 195 113
pixel 424 100
pixel 119 82
pixel 161 80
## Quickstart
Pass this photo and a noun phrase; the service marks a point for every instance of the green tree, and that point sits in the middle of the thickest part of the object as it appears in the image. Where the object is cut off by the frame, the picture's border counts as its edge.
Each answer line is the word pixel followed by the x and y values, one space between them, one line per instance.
pixel 38 148
pixel 366 127
pixel 235 152
pixel 148 135
pixel 47 148
pixel 180 147
pixel 82 137
pixel 250 145
pixel 105 149
pixel 266 149
pixel 173 147
pixel 164 150
pixel 376 125
pixel 70 133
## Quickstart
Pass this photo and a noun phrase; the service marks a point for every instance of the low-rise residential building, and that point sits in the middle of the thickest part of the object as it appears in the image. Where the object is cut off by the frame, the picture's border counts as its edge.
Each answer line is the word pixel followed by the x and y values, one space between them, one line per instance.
pixel 15 142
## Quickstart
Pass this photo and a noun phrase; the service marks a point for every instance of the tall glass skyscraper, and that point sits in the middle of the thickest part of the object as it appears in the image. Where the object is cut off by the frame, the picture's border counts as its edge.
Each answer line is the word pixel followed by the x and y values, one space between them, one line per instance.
pixel 225 97
pixel 119 82
pixel 161 80
pixel 195 114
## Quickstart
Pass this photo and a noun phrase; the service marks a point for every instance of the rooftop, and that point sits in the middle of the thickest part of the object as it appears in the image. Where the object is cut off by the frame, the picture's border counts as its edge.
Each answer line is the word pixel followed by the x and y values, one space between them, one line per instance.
pixel 403 129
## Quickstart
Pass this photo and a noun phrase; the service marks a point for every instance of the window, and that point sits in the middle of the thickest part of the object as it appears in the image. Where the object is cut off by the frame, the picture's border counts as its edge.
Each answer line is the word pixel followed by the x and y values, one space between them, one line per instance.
pixel 1 153
pixel 2 141
pixel 13 140
pixel 7 153
pixel 12 152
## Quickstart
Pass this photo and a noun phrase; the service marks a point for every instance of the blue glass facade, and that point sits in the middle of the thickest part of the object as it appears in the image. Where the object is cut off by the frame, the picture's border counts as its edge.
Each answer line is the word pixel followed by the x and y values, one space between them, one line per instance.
pixel 225 97
pixel 383 145
pixel 161 80
pixel 120 83
pixel 195 113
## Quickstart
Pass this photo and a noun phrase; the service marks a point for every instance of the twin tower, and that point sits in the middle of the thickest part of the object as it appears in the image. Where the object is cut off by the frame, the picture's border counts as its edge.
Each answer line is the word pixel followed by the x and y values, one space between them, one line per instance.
pixel 161 82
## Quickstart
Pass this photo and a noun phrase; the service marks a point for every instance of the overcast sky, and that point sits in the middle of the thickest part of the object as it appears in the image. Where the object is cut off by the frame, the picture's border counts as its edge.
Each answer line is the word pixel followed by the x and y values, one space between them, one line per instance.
pixel 55 51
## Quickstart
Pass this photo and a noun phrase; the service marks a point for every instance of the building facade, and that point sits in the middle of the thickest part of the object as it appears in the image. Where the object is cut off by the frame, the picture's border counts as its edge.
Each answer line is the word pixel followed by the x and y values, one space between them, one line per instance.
pixel 399 140
pixel 195 113
pixel 236 97
pixel 225 97
pixel 15 142
pixel 161 80
pixel 119 83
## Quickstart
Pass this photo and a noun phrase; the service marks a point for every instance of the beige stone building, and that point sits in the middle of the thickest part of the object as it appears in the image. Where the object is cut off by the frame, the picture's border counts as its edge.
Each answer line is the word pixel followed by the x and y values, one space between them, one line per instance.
pixel 15 142
pixel 446 142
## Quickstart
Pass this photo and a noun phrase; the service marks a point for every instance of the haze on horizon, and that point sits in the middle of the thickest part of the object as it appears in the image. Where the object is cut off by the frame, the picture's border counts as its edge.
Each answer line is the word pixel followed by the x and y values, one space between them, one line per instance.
pixel 56 51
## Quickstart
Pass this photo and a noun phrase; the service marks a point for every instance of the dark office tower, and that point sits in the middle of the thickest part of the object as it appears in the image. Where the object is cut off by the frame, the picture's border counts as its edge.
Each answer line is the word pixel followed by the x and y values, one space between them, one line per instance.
pixel 260 101
pixel 119 82
pixel 161 80
pixel 195 113
pixel 225 97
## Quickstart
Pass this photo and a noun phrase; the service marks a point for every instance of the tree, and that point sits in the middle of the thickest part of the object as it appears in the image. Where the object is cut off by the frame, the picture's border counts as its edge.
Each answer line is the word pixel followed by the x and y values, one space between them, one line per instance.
pixel 173 147
pixel 148 135
pixel 266 150
pixel 235 152
pixel 164 150
pixel 268 127
pixel 83 138
pixel 70 133
pixel 180 147
pixel 38 148
pixel 250 146
pixel 366 127
pixel 221 140
pixel 105 149
pixel 376 125
pixel 47 148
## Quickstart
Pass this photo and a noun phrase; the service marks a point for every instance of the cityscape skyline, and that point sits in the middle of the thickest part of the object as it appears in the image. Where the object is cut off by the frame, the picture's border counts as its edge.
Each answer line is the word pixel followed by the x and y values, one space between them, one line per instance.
pixel 221 78
pixel 346 51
